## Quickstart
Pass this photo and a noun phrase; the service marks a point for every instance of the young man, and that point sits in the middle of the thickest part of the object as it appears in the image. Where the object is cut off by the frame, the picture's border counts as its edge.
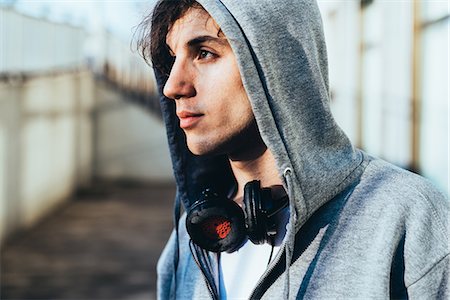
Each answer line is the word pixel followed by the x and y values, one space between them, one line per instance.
pixel 245 97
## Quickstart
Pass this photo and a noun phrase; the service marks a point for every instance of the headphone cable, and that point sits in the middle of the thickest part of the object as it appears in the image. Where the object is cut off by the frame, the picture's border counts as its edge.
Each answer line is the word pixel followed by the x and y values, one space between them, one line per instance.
pixel 272 242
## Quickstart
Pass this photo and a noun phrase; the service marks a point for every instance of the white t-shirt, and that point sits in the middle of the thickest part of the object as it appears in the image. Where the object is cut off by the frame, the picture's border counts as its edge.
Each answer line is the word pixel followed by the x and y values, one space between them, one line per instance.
pixel 241 270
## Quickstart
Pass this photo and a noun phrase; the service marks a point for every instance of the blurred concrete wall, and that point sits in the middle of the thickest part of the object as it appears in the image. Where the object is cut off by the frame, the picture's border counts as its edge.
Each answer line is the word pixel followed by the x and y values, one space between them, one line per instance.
pixel 33 44
pixel 45 142
pixel 70 111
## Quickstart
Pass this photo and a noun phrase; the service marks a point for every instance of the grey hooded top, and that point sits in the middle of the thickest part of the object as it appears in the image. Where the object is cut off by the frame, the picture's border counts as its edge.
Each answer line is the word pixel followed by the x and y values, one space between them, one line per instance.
pixel 359 227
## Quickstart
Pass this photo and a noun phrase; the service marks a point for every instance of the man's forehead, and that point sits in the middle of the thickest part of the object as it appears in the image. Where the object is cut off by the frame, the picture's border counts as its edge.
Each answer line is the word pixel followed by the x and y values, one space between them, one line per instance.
pixel 195 22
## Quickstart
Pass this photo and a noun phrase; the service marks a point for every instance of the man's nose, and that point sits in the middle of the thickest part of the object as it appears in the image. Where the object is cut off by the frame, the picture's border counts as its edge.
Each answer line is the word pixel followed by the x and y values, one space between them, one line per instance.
pixel 179 84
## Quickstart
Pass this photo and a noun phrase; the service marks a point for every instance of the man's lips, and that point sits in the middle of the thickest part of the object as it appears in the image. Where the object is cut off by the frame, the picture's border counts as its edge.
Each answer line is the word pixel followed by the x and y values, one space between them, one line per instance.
pixel 188 119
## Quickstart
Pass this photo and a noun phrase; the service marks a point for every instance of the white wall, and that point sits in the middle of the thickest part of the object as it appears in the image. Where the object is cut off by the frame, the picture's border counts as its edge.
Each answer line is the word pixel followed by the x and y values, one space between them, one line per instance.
pixel 434 129
pixel 32 44
pixel 45 144
pixel 342 29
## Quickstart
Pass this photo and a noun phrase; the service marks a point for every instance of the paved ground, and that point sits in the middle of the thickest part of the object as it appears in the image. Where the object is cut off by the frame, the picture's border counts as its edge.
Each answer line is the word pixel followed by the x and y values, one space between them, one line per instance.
pixel 103 245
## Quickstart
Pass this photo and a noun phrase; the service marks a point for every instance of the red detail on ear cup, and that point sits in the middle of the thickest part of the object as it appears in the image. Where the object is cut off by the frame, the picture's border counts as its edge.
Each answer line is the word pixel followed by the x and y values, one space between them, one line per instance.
pixel 216 227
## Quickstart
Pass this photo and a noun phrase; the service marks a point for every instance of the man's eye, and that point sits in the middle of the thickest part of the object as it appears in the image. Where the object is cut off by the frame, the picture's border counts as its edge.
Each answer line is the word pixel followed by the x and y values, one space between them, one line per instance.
pixel 204 54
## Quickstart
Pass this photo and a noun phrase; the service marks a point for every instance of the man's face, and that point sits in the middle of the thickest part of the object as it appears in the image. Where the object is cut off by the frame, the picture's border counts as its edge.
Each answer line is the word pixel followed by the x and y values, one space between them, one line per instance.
pixel 211 102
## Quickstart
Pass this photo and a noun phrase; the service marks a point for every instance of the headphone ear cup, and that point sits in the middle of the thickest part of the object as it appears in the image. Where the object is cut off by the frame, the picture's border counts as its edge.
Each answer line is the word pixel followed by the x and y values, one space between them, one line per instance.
pixel 255 218
pixel 216 223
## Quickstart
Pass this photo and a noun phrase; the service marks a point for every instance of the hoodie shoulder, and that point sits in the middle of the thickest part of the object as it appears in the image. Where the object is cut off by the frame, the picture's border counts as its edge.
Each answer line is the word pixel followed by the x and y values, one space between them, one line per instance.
pixel 400 185
pixel 420 210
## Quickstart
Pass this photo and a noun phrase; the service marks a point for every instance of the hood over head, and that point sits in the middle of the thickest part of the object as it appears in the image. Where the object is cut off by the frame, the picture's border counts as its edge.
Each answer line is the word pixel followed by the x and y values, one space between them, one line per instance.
pixel 281 54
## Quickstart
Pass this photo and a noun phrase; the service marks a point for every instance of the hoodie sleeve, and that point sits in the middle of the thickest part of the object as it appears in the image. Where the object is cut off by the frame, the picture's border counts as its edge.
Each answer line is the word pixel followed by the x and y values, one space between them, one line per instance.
pixel 435 284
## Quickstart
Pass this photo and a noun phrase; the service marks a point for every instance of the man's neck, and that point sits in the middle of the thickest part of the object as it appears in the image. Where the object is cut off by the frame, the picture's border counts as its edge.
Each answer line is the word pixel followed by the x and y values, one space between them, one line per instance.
pixel 262 167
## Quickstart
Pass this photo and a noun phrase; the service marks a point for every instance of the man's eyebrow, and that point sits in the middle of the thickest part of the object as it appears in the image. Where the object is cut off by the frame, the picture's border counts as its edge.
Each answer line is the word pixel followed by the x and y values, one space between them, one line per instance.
pixel 207 38
pixel 202 39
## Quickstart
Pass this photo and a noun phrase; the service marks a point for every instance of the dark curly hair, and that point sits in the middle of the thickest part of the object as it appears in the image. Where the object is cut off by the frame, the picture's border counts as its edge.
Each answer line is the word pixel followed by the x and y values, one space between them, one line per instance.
pixel 153 30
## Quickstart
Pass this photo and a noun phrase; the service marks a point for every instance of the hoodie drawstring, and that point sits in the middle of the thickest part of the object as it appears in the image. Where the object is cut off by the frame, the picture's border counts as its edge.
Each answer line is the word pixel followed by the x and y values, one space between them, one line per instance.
pixel 290 231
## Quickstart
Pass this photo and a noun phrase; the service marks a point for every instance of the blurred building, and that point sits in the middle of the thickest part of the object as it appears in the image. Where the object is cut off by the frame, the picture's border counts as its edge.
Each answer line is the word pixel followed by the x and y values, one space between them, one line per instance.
pixel 389 77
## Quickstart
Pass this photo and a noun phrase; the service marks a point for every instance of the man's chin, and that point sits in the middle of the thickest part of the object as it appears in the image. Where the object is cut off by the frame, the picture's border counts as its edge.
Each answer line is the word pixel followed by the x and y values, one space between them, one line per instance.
pixel 204 149
pixel 201 151
pixel 198 153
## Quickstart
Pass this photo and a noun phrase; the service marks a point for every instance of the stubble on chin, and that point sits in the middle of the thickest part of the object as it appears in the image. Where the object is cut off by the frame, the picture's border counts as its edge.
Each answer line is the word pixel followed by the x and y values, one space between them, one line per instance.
pixel 245 144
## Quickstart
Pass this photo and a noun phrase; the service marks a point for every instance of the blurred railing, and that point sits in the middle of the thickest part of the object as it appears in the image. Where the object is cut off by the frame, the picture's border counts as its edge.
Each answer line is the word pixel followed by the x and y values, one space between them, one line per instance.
pixel 33 47
pixel 125 71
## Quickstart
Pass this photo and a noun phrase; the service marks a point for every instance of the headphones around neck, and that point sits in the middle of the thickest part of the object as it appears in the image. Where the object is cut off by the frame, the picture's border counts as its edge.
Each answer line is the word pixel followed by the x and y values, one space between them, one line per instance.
pixel 218 224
